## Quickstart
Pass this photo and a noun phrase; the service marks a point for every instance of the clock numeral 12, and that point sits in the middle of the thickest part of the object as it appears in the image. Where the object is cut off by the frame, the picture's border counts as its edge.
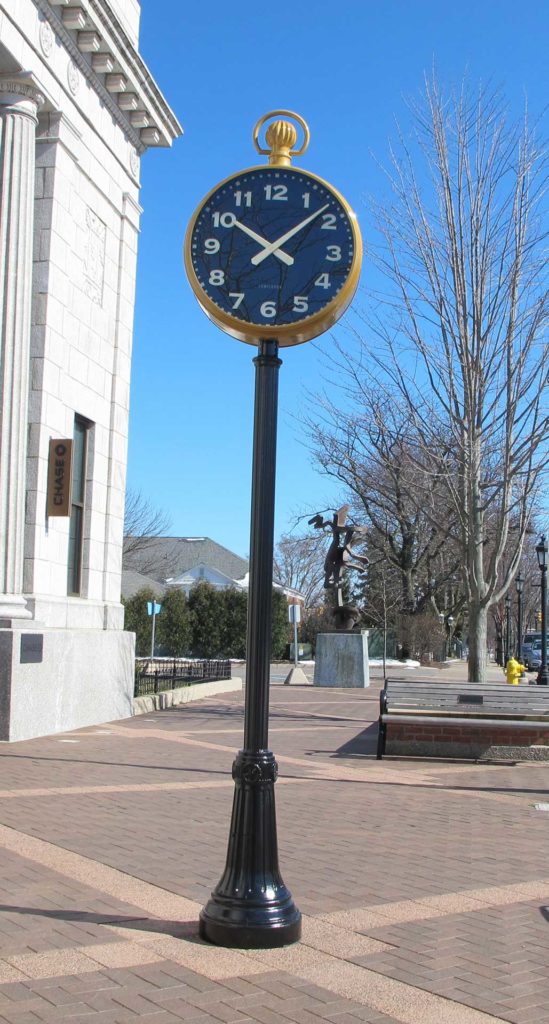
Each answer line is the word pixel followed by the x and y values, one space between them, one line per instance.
pixel 276 192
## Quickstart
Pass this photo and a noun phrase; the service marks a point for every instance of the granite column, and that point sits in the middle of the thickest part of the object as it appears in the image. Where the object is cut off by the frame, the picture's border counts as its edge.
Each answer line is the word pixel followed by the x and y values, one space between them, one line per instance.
pixel 20 99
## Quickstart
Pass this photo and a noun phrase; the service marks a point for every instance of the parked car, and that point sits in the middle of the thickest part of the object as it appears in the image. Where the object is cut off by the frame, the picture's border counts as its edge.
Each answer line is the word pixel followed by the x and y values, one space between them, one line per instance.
pixel 530 640
pixel 534 658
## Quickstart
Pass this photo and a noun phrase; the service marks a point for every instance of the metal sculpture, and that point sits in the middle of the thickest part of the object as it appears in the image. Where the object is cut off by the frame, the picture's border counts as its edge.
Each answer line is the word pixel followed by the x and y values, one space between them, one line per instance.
pixel 339 558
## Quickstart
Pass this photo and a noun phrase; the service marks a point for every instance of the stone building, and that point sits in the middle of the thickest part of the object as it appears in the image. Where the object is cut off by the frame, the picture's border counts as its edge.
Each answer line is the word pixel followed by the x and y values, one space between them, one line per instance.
pixel 78 107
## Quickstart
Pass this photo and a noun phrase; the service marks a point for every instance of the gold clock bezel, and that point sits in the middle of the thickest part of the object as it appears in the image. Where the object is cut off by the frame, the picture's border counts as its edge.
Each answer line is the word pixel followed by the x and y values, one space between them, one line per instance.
pixel 287 335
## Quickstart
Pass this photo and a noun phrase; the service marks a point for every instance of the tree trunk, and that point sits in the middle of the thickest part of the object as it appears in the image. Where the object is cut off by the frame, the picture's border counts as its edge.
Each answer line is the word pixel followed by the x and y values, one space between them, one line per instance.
pixel 478 629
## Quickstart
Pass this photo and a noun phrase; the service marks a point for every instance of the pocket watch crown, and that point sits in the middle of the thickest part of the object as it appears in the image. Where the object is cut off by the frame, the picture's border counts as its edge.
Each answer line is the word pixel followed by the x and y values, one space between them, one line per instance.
pixel 281 136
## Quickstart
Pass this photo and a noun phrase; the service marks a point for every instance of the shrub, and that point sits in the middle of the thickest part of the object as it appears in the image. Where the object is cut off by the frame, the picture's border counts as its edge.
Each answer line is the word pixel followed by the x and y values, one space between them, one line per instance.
pixel 173 625
pixel 206 610
pixel 234 622
pixel 138 621
pixel 280 631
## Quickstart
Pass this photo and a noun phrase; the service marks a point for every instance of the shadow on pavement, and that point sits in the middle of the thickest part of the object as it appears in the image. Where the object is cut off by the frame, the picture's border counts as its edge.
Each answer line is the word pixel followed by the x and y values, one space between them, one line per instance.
pixel 178 929
pixel 118 764
pixel 364 744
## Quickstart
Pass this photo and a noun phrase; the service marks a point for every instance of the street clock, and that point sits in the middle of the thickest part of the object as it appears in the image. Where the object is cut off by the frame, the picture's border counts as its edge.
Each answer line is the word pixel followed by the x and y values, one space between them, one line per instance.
pixel 274 251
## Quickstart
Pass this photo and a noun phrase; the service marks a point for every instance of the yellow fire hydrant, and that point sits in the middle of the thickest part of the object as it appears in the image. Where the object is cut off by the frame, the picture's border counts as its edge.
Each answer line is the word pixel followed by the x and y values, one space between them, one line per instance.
pixel 514 671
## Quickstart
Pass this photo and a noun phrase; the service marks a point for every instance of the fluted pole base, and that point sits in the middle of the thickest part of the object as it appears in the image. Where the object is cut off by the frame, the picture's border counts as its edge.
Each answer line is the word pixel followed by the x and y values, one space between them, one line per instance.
pixel 251 908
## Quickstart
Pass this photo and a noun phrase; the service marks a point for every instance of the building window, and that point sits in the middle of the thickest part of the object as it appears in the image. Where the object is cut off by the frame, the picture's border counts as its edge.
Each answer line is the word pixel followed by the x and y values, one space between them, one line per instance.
pixel 78 497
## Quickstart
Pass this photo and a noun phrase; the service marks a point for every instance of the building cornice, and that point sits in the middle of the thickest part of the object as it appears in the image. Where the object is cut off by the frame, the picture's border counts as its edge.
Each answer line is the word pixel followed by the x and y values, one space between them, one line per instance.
pixel 106 56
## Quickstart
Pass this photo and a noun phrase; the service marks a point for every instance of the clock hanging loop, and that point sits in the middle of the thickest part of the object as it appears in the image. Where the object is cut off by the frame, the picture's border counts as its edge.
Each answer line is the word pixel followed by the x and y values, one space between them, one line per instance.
pixel 281 137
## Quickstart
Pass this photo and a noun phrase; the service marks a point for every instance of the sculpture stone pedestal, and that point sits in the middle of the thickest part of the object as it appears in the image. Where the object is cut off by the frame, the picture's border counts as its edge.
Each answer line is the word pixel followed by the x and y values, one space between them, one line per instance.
pixel 342 659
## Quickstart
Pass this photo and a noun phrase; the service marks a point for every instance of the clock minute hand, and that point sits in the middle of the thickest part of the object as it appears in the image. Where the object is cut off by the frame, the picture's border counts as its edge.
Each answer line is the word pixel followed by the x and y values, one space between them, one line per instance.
pixel 284 238
pixel 282 256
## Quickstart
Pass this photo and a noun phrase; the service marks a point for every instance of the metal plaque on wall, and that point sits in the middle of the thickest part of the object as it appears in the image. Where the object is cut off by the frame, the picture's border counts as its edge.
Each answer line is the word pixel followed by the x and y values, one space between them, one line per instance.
pixel 59 477
pixel 32 648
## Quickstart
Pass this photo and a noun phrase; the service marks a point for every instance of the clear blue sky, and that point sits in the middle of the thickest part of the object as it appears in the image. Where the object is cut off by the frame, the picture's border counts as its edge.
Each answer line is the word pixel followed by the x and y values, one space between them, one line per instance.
pixel 346 68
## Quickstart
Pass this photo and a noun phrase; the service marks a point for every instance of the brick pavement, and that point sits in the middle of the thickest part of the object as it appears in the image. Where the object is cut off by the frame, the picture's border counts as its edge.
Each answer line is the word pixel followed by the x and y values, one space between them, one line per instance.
pixel 424 885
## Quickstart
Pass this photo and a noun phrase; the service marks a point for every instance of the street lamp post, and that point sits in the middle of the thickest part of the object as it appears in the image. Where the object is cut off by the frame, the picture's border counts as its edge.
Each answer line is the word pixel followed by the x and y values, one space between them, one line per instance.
pixel 499 643
pixel 443 638
pixel 519 583
pixel 450 624
pixel 507 654
pixel 541 552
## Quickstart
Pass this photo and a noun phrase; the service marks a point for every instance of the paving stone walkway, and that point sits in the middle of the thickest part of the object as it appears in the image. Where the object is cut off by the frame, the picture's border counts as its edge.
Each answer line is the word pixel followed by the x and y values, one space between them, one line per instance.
pixel 424 885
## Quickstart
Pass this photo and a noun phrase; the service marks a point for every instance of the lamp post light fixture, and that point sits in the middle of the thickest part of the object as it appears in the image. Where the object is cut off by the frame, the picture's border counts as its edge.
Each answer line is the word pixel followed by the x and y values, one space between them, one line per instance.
pixel 519 583
pixel 541 552
pixel 507 653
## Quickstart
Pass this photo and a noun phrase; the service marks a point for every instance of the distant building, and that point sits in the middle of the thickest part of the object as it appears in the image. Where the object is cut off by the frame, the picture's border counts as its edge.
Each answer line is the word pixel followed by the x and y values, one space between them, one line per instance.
pixel 133 582
pixel 184 561
pixel 78 108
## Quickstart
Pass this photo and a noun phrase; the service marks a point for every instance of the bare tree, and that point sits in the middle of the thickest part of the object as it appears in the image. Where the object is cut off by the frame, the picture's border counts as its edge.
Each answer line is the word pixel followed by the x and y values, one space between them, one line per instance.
pixel 143 524
pixel 383 594
pixel 299 564
pixel 369 447
pixel 459 336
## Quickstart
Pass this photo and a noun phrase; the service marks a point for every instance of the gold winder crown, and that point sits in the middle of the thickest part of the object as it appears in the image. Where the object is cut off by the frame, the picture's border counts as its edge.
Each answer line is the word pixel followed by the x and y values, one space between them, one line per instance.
pixel 281 137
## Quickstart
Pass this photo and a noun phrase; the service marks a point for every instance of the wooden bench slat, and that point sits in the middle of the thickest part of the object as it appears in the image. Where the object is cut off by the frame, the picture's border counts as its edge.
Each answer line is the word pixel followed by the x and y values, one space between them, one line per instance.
pixel 458 713
pixel 476 722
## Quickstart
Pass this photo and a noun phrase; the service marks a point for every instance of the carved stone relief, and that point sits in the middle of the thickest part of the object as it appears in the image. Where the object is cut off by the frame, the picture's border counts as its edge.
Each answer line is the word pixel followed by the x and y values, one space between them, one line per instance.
pixel 46 37
pixel 73 77
pixel 94 263
pixel 134 162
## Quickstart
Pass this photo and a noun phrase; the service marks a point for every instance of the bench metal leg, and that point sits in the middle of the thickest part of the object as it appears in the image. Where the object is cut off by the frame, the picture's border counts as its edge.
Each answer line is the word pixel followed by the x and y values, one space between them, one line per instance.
pixel 381 738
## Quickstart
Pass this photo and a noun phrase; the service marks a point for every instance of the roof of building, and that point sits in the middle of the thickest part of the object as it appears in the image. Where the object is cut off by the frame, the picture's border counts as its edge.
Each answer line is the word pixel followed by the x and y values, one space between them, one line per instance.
pixel 170 557
pixel 201 571
pixel 133 582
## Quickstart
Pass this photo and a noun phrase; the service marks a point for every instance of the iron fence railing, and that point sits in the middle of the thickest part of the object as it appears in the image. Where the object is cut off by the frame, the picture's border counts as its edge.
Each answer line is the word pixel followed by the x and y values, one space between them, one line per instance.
pixel 155 676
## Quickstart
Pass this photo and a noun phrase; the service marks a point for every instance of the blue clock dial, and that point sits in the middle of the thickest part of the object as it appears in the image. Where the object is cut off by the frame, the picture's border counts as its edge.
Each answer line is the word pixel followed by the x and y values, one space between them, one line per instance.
pixel 272 246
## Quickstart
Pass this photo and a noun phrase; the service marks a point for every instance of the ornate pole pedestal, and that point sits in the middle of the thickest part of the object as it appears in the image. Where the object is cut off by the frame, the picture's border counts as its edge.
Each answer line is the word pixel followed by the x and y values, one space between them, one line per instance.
pixel 251 907
pixel 19 103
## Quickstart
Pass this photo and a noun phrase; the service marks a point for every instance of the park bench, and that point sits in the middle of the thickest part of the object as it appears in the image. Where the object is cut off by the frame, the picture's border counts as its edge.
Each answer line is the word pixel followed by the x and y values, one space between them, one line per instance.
pixel 463 720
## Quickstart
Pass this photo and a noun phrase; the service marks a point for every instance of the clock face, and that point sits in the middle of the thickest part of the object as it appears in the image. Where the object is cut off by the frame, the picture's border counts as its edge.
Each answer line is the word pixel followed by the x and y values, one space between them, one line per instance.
pixel 274 252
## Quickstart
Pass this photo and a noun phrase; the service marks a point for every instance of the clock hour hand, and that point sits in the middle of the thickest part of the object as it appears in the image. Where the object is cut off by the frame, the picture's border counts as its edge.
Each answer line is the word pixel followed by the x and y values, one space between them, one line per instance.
pixel 273 246
pixel 282 256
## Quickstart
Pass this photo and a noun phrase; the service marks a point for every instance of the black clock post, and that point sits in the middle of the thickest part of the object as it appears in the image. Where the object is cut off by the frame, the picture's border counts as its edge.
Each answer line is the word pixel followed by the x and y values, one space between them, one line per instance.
pixel 251 907
pixel 273 255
